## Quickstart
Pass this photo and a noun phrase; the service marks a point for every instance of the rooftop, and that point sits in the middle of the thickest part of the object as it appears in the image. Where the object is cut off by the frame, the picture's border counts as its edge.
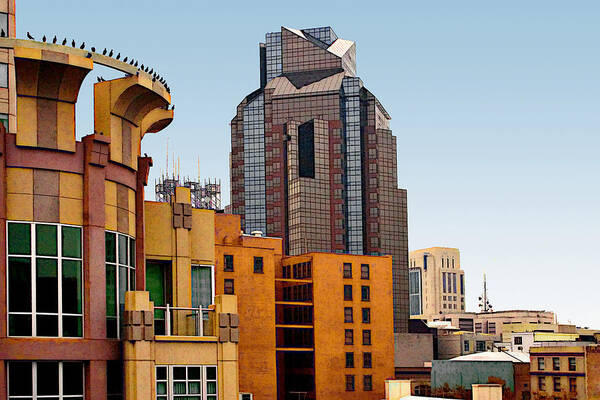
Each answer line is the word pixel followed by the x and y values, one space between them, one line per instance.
pixel 512 356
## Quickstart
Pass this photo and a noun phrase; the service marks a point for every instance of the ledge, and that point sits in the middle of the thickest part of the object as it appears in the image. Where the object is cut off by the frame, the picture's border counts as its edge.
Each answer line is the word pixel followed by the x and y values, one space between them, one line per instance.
pixel 207 339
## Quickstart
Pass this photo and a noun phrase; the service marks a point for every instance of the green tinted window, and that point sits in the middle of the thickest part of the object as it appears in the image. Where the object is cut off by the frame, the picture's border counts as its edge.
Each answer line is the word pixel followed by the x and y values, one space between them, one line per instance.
pixel 45 240
pixel 110 247
pixel 111 290
pixel 47 285
pixel 71 286
pixel 19 284
pixel 71 242
pixel 132 252
pixel 123 250
pixel 19 238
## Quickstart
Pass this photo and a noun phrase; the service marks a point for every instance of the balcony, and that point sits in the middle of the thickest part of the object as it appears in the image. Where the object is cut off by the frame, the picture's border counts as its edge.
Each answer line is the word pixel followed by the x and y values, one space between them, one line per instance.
pixel 184 322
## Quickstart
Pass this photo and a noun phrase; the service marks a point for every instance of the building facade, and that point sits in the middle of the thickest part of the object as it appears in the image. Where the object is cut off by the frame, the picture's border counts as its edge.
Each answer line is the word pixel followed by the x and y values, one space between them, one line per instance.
pixel 313 159
pixel 436 282
pixel 497 322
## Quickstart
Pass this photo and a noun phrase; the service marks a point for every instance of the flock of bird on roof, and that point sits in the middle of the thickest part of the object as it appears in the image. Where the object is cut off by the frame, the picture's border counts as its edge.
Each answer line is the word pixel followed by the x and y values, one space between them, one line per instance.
pixel 132 62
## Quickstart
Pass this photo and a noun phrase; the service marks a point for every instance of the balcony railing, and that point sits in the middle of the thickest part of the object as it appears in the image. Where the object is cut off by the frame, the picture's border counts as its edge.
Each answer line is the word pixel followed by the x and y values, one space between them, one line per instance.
pixel 184 321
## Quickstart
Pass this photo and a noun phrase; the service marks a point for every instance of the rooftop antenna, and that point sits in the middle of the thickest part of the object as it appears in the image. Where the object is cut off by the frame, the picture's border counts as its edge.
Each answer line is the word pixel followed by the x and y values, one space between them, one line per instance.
pixel 167 157
pixel 484 302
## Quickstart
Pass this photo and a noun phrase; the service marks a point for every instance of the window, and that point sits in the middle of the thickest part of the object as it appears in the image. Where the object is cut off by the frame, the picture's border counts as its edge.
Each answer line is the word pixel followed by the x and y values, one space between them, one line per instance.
pixel 228 286
pixel 4 117
pixel 414 291
pixel 44 280
pixel 349 336
pixel 348 315
pixel 228 263
pixel 364 271
pixel 306 150
pixel 572 385
pixel 347 292
pixel 258 265
pixel 444 281
pixel 491 325
pixel 120 277
pixel 541 363
pixel 368 383
pixel 347 270
pixel 541 383
pixel 572 364
pixel 114 380
pixel 454 284
pixel 3 75
pixel 518 340
pixel 556 363
pixel 365 293
pixel 158 284
pixel 479 345
pixel 350 360
pixel 367 360
pixel 556 383
pixel 366 334
pixel 203 291
pixel 366 315
pixel 466 345
pixel 349 383
pixel 462 284
pixel 197 382
pixel 50 380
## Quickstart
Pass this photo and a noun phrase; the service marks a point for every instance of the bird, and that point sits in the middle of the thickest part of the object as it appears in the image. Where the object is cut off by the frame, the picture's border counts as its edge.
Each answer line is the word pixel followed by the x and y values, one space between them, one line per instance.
pixel 136 64
pixel 173 107
pixel 89 55
pixel 29 36
pixel 44 38
pixel 73 43
pixel 54 39
pixel 64 41
pixel 82 46
pixel 99 80
pixel 93 49
pixel 104 51
pixel 151 71
pixel 2 33
pixel 146 70
pixel 125 60
pixel 145 154
pixel 111 53
pixel 118 56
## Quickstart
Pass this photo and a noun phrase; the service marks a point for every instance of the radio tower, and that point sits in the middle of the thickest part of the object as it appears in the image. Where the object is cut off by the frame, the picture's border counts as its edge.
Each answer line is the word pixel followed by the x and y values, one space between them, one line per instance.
pixel 484 301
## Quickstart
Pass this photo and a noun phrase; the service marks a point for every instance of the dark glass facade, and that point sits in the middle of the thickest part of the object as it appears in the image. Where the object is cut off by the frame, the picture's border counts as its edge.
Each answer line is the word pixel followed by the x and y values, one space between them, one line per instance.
pixel 313 158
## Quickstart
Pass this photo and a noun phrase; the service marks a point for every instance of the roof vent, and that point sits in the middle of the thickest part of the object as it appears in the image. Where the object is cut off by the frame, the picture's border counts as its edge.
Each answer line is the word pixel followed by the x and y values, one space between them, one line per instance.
pixel 256 233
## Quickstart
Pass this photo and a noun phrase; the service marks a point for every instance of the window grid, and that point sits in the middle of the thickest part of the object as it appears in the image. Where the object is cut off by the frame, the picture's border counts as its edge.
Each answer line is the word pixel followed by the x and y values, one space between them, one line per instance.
pixel 33 258
pixel 17 379
pixel 186 382
pixel 120 273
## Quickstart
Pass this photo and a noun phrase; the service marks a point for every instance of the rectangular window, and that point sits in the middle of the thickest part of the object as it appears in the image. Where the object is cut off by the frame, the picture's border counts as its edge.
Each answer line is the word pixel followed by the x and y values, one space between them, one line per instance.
pixel 203 290
pixel 541 363
pixel 479 345
pixel 349 360
pixel 349 383
pixel 158 284
pixel 114 380
pixel 462 284
pixel 444 281
pixel 367 360
pixel 541 383
pixel 368 383
pixel 349 336
pixel 228 263
pixel 454 283
pixel 572 385
pixel 555 363
pixel 348 315
pixel 366 315
pixel 572 364
pixel 414 291
pixel 228 286
pixel 45 288
pixel 306 150
pixel 45 380
pixel 466 345
pixel 365 293
pixel 347 292
pixel 364 271
pixel 518 340
pixel 120 278
pixel 556 383
pixel 347 270
pixel 258 265
pixel 3 75
pixel 197 382
pixel 366 337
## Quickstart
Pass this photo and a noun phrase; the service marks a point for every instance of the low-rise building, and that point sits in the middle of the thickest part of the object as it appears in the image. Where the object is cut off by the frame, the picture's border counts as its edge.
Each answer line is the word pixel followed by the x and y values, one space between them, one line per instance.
pixel 495 322
pixel 454 343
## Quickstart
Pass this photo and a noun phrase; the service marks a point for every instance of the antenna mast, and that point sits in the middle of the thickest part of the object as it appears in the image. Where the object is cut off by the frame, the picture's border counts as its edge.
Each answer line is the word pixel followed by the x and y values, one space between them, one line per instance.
pixel 484 302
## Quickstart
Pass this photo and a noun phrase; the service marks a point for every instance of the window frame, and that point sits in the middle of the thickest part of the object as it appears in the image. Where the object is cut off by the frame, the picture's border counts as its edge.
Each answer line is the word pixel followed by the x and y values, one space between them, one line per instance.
pixel 367 359
pixel 347 273
pixel 33 257
pixel 232 286
pixel 572 364
pixel 261 265
pixel 555 363
pixel 212 279
pixel 542 383
pixel 349 339
pixel 170 381
pixel 347 292
pixel 34 381
pixel 225 267
pixel 349 359
pixel 367 383
pixel 350 383
pixel 346 319
pixel 365 293
pixel 365 273
pixel 556 385
pixel 541 361
pixel 366 320
pixel 118 265
pixel 366 333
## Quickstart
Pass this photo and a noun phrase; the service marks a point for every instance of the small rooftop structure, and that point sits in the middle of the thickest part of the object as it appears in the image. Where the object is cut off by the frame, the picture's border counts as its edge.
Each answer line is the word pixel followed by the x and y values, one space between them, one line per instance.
pixel 512 356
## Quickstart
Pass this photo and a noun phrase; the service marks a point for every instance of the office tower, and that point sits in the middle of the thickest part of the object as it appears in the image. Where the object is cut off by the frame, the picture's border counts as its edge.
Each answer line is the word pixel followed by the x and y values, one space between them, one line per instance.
pixel 313 159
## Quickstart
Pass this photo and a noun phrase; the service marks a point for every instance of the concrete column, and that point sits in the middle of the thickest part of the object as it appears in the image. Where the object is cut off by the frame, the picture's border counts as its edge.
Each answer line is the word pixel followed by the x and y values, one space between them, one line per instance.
pixel 95 379
pixel 227 353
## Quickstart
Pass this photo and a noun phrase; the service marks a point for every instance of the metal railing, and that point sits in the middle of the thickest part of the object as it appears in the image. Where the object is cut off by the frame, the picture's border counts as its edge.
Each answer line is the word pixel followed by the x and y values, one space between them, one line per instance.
pixel 184 321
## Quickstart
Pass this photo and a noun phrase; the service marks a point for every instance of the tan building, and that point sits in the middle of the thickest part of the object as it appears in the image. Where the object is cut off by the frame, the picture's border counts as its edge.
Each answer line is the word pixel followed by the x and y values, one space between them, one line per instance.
pixel 436 282
pixel 496 322
pixel 452 344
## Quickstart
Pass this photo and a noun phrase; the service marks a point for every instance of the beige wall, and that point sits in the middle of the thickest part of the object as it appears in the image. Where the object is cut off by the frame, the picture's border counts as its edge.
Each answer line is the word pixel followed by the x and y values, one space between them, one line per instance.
pixel 412 349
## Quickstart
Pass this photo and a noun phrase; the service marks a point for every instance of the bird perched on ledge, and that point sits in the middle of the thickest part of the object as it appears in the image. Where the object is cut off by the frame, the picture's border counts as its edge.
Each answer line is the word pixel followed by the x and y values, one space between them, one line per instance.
pixel 2 33
pixel 29 36
pixel 54 39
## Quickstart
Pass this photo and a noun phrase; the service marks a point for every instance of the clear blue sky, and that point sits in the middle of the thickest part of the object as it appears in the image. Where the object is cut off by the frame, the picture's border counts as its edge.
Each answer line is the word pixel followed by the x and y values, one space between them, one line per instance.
pixel 496 106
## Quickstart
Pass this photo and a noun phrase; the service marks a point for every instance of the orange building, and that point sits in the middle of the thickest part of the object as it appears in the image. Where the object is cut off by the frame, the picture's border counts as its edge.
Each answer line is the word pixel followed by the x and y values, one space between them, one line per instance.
pixel 317 325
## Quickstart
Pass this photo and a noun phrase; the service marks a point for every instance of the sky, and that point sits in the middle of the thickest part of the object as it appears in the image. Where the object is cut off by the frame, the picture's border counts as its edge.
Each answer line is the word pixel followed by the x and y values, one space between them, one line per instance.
pixel 495 106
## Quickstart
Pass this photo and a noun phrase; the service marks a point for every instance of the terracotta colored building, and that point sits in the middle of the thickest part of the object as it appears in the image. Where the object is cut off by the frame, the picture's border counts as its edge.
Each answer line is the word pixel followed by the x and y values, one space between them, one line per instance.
pixel 313 159
pixel 316 325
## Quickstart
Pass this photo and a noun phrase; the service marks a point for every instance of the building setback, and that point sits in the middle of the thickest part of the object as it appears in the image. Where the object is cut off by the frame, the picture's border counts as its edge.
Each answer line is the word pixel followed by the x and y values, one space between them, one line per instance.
pixel 313 159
